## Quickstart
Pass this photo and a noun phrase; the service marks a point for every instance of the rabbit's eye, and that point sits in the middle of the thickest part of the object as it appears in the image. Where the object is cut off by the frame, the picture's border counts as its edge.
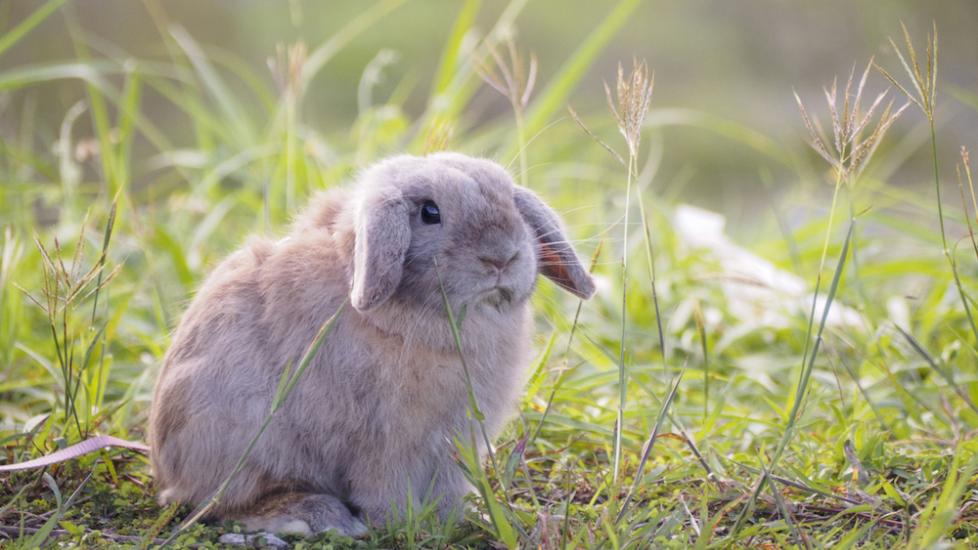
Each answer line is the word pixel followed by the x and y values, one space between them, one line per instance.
pixel 429 213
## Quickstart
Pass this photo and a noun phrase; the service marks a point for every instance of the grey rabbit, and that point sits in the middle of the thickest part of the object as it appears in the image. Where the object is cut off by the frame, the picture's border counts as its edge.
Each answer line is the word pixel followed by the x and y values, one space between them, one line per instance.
pixel 370 426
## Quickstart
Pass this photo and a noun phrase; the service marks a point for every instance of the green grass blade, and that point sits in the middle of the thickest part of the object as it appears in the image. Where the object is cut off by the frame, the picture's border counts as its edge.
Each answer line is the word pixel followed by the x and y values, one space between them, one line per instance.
pixel 552 99
pixel 802 389
pixel 42 534
pixel 320 56
pixel 650 443
pixel 447 66
pixel 126 122
pixel 30 75
pixel 308 356
pixel 234 114
pixel 938 518
pixel 946 375
pixel 9 38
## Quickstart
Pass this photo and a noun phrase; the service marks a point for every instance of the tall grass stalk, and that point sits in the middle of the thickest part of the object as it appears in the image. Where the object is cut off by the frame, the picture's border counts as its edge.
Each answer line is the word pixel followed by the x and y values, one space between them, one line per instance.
pixel 454 86
pixel 650 259
pixel 964 176
pixel 318 58
pixel 514 78
pixel 649 443
pixel 629 105
pixel 800 392
pixel 705 348
pixel 101 376
pixel 65 287
pixel 848 152
pixel 287 67
pixel 924 95
pixel 475 410
pixel 504 527
pixel 14 35
pixel 622 368
pixel 11 253
pixel 554 96
pixel 933 364
pixel 567 349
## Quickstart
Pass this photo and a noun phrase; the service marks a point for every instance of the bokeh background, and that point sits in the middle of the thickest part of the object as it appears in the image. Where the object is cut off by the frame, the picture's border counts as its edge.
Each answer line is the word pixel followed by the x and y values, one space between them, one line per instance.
pixel 737 61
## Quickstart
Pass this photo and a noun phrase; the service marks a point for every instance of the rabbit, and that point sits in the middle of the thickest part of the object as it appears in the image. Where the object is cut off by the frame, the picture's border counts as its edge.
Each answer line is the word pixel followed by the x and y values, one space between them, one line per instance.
pixel 370 427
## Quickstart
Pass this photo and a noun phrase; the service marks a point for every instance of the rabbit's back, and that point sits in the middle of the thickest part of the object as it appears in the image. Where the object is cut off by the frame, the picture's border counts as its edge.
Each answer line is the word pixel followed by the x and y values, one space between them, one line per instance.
pixel 210 391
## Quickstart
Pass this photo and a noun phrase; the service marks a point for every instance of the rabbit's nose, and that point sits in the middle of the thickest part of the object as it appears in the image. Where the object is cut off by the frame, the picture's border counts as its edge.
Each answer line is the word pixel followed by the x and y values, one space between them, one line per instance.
pixel 499 262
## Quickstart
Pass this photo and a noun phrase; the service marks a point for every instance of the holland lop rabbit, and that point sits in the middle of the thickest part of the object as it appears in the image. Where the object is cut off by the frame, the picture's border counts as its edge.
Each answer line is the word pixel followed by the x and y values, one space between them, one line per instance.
pixel 370 426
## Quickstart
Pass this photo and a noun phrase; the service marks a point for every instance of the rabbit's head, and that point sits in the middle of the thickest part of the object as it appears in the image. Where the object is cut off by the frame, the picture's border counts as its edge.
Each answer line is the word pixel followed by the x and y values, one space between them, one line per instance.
pixel 459 223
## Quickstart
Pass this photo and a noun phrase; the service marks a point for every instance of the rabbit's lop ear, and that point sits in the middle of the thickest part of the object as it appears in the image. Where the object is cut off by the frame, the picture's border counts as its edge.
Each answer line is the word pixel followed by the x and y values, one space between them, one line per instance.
pixel 558 262
pixel 383 235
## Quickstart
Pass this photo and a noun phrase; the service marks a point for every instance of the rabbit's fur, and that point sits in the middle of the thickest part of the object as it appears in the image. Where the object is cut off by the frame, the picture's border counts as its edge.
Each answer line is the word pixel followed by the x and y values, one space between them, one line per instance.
pixel 371 423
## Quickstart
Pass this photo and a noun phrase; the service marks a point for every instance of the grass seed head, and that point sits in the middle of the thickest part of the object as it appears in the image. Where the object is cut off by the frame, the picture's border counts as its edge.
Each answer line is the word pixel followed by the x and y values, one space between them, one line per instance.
pixel 631 102
pixel 964 177
pixel 513 76
pixel 854 137
pixel 287 66
pixel 923 80
pixel 439 136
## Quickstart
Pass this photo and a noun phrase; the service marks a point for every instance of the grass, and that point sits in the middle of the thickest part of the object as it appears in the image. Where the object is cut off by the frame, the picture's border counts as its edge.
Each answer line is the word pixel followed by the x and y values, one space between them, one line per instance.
pixel 665 412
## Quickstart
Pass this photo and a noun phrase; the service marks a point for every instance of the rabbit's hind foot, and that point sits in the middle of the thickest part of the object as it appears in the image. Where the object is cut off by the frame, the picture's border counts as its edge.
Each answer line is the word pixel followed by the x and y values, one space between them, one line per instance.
pixel 303 514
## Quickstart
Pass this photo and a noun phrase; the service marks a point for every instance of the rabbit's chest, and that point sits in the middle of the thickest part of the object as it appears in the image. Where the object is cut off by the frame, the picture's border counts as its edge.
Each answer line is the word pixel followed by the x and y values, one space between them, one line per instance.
pixel 429 388
pixel 410 392
pixel 427 393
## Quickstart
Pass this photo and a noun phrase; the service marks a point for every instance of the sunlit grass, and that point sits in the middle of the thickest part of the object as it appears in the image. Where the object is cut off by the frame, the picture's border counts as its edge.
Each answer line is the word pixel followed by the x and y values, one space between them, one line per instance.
pixel 663 412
